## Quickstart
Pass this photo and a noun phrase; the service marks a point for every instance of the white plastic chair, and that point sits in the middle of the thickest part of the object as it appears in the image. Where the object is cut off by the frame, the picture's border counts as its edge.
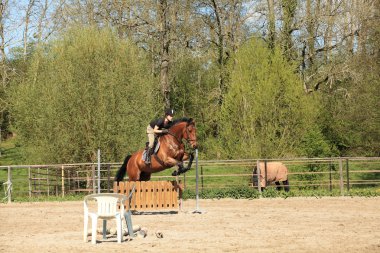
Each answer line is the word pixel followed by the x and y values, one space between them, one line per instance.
pixel 107 208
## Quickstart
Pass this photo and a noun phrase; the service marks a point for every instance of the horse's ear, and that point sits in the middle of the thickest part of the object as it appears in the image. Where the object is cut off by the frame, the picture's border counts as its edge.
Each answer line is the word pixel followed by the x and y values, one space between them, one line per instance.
pixel 190 121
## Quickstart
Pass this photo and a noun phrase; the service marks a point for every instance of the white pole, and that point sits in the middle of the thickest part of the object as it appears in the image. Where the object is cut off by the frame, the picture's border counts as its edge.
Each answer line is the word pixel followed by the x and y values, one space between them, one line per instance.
pixel 196 180
pixel 197 210
pixel 98 170
pixel 9 185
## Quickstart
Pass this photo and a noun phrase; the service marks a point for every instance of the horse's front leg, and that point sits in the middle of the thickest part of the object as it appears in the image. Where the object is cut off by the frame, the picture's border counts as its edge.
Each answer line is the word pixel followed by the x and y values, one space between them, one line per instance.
pixel 181 168
pixel 190 157
pixel 170 162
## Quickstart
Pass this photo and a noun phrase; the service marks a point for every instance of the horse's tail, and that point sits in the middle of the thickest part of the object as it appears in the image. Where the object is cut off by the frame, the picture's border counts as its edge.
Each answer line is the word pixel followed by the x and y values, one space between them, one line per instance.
pixel 123 169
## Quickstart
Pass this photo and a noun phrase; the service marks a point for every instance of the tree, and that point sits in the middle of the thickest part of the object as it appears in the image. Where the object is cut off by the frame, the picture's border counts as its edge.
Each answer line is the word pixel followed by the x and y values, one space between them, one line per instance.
pixel 3 70
pixel 88 91
pixel 351 108
pixel 266 114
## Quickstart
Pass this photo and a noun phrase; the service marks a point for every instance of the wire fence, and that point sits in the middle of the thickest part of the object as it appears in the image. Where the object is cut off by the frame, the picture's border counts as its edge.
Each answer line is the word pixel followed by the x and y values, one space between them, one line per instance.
pixel 343 173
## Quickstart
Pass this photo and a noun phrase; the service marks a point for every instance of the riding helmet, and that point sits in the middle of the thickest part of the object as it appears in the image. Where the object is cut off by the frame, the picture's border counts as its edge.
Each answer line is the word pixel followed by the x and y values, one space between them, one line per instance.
pixel 169 112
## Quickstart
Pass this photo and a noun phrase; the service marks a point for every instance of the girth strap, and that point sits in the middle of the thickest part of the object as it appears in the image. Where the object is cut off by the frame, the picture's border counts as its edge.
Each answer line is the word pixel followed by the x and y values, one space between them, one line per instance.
pixel 159 160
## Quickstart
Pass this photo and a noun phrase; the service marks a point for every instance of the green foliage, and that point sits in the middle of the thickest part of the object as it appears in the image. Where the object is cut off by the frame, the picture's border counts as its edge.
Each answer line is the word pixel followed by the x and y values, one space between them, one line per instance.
pixel 84 91
pixel 363 193
pixel 11 152
pixel 250 193
pixel 235 193
pixel 315 144
pixel 350 115
pixel 192 96
pixel 360 112
pixel 265 113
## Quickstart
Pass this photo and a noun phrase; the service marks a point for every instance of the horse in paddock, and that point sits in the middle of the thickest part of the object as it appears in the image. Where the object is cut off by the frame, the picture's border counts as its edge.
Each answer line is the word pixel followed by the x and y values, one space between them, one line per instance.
pixel 273 172
pixel 171 152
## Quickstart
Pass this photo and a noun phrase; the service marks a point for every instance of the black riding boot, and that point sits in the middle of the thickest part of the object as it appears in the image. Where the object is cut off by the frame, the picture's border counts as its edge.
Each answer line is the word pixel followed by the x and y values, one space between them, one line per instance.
pixel 148 155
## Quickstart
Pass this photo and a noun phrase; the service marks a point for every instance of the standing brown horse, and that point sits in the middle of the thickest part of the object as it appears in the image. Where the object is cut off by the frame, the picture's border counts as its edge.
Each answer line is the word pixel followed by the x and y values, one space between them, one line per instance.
pixel 273 172
pixel 171 153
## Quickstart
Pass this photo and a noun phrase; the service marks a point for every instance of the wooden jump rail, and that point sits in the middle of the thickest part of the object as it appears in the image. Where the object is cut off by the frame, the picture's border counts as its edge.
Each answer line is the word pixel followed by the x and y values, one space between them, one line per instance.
pixel 152 195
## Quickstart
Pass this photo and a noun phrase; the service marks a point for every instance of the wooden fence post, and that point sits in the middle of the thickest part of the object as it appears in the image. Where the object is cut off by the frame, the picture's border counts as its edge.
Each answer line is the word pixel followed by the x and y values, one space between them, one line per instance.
pixel 184 181
pixel 202 184
pixel 39 181
pixel 63 180
pixel 258 176
pixel 330 175
pixel 56 181
pixel 47 181
pixel 266 173
pixel 341 177
pixel 30 185
pixel 348 176
pixel 108 178
pixel 93 179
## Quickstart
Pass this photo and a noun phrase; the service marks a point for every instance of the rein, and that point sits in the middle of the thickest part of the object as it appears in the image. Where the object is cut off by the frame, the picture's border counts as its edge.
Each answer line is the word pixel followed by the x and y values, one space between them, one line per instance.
pixel 175 137
pixel 180 140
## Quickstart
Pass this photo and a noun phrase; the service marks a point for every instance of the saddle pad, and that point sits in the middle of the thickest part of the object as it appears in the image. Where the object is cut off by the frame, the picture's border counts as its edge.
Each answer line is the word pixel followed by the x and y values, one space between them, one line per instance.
pixel 156 148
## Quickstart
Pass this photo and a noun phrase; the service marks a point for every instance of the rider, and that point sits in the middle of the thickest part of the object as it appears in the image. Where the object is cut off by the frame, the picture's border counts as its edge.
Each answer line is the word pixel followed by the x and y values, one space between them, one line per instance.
pixel 158 126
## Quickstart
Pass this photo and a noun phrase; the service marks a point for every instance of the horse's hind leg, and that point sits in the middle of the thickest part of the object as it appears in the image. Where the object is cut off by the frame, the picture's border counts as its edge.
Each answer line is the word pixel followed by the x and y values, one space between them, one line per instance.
pixel 278 186
pixel 286 185
pixel 144 176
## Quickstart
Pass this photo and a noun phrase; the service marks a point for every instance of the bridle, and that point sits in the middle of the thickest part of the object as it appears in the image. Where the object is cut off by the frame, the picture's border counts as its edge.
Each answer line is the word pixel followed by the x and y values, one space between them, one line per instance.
pixel 187 133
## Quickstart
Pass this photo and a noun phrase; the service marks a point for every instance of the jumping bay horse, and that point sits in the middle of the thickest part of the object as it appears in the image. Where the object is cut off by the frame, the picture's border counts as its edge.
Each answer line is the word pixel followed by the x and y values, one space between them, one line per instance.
pixel 171 152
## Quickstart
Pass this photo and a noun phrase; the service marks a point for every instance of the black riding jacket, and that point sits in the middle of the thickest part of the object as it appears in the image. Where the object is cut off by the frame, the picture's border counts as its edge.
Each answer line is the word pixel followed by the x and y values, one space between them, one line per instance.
pixel 160 123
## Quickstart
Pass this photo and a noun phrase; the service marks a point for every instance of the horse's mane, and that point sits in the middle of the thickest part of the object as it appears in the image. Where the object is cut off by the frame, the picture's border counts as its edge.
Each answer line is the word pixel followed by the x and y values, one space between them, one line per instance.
pixel 180 120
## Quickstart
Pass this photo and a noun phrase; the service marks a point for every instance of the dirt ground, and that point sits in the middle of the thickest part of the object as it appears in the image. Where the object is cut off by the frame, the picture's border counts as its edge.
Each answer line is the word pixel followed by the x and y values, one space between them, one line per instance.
pixel 261 225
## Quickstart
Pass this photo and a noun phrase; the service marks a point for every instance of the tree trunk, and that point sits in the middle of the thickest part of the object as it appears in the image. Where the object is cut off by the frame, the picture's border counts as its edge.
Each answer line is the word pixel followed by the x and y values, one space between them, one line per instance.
pixel 3 60
pixel 164 36
pixel 349 28
pixel 328 35
pixel 221 52
pixel 310 20
pixel 40 22
pixel 289 8
pixel 26 29
pixel 271 24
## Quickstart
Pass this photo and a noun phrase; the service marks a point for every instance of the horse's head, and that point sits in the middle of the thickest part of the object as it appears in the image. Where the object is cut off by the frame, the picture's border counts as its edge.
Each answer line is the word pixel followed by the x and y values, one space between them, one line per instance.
pixel 185 129
pixel 191 133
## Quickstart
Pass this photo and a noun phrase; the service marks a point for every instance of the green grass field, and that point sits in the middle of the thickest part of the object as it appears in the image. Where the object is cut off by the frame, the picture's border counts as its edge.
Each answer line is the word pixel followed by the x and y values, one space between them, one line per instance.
pixel 10 152
pixel 217 180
